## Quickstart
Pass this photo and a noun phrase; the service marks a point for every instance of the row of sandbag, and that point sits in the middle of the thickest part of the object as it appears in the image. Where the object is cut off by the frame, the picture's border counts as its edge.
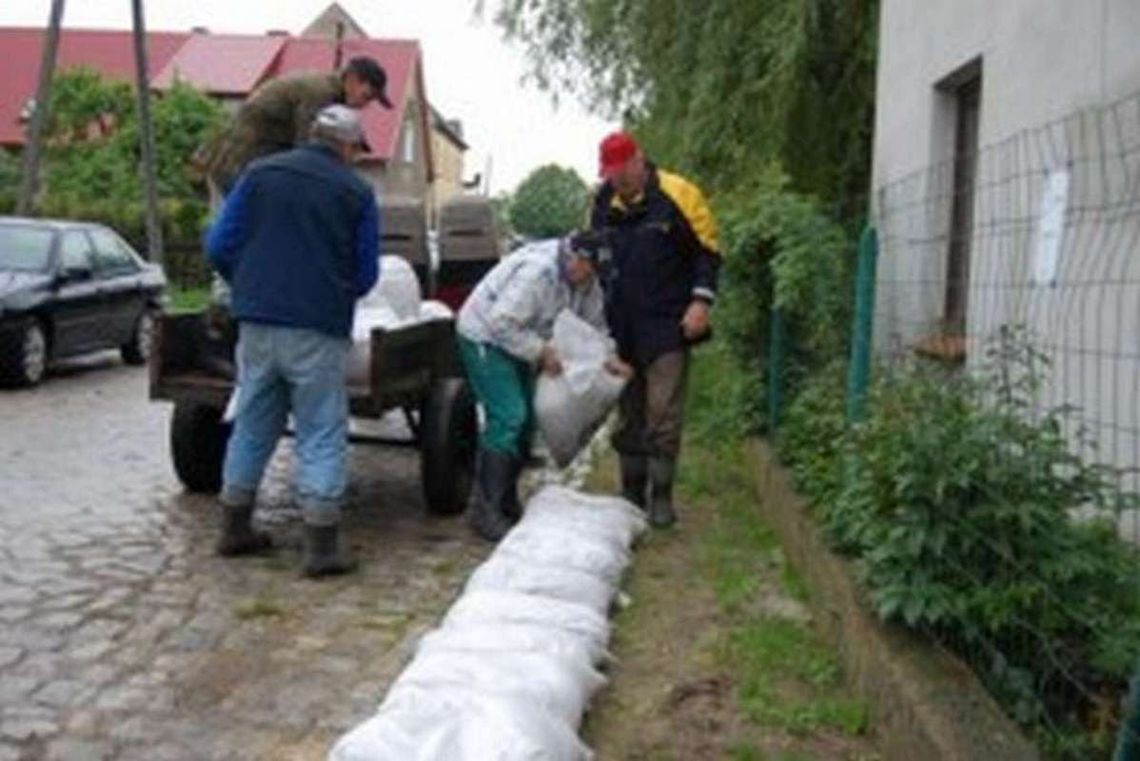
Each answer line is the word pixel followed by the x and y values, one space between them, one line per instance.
pixel 511 669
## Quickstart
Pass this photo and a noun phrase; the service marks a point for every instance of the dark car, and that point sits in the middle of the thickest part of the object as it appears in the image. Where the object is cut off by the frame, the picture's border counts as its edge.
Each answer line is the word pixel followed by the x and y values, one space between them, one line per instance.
pixel 69 288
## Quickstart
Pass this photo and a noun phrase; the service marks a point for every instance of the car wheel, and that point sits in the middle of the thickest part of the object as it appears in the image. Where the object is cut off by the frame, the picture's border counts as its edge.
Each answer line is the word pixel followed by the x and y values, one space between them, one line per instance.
pixel 24 361
pixel 137 350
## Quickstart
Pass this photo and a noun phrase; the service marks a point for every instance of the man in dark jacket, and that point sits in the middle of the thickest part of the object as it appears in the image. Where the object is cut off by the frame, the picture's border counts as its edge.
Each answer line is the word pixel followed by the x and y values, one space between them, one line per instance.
pixel 297 241
pixel 661 288
pixel 277 116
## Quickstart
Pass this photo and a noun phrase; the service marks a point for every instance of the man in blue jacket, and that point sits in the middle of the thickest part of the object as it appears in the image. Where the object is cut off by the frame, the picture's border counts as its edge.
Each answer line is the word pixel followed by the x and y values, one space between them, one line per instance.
pixel 297 240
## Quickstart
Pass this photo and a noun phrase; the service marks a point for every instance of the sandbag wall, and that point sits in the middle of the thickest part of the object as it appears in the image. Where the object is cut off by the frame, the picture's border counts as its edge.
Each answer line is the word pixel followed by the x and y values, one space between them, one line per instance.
pixel 511 669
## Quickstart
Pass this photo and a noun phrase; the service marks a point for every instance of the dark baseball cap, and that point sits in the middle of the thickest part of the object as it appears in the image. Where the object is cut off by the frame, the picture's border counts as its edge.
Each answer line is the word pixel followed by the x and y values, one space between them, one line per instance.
pixel 592 245
pixel 373 73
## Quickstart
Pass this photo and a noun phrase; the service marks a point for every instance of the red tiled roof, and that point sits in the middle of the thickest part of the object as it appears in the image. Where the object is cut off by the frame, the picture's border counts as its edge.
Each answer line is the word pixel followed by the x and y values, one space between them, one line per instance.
pixel 223 64
pixel 109 52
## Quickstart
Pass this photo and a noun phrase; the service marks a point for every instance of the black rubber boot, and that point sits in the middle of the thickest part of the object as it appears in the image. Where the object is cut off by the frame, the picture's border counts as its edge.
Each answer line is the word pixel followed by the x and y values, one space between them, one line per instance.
pixel 324 552
pixel 488 516
pixel 661 472
pixel 512 506
pixel 238 535
pixel 634 479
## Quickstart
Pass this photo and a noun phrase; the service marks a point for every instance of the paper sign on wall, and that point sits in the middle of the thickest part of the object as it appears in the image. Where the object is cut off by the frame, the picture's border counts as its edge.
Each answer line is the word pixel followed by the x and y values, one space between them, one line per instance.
pixel 1051 227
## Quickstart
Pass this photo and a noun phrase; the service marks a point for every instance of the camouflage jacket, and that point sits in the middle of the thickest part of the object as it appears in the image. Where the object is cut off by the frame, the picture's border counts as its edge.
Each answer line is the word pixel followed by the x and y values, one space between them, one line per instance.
pixel 276 117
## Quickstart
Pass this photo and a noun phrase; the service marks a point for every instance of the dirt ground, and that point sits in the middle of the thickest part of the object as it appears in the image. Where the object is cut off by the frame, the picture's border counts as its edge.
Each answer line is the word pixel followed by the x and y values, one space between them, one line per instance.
pixel 717 656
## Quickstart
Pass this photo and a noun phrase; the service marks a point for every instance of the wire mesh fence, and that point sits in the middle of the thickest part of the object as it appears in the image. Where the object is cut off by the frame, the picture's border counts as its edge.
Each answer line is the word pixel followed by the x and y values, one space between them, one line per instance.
pixel 989 488
pixel 1042 233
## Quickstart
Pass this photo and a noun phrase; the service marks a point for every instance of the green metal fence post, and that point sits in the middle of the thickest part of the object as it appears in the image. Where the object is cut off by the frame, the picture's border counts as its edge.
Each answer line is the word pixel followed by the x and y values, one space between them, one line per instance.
pixel 859 371
pixel 1128 740
pixel 777 347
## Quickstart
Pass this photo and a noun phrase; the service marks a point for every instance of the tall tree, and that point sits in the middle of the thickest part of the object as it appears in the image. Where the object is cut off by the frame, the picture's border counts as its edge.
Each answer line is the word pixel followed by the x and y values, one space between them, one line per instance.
pixel 550 202
pixel 721 88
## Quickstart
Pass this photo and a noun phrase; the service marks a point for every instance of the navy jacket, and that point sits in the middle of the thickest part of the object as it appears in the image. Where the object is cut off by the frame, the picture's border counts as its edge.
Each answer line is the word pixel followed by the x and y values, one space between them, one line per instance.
pixel 665 255
pixel 298 240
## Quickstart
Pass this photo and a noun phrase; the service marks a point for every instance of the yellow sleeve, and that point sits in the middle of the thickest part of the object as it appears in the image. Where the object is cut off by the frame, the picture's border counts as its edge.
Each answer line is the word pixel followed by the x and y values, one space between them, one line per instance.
pixel 691 201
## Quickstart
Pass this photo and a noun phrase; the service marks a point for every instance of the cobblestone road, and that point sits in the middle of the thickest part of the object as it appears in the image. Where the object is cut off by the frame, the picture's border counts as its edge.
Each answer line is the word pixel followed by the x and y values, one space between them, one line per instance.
pixel 123 637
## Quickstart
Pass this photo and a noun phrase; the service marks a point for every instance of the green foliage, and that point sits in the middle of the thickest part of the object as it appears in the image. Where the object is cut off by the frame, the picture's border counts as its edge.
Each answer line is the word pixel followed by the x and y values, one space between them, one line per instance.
pixel 782 250
pixel 550 202
pixel 813 431
pixel 957 497
pixel 721 88
pixel 9 180
pixel 92 150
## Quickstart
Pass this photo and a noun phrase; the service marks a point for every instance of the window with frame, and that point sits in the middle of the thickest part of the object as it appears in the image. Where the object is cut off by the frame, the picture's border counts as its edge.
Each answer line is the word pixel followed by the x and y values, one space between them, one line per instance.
pixel 75 253
pixel 111 254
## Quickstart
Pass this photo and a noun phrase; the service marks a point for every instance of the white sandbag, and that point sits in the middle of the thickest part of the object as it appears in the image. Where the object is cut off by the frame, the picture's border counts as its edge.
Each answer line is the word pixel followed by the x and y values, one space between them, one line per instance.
pixel 595 515
pixel 561 686
pixel 603 558
pixel 397 288
pixel 571 406
pixel 418 724
pixel 496 607
pixel 359 364
pixel 513 637
pixel 503 573
pixel 435 310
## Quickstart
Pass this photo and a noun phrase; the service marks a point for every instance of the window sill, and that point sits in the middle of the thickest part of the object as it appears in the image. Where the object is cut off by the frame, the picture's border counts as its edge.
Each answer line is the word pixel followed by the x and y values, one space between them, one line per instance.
pixel 947 348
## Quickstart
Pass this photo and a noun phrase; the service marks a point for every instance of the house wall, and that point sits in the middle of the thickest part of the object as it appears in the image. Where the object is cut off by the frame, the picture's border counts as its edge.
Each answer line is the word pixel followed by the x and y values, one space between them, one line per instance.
pixel 448 160
pixel 1060 104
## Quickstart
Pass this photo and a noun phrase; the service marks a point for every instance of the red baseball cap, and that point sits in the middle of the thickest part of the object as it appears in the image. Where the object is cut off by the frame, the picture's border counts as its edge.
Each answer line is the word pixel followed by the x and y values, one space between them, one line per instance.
pixel 616 149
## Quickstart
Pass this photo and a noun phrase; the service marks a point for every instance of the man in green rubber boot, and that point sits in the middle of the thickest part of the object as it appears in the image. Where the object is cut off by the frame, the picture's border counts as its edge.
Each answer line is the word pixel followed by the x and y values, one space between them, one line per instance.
pixel 504 329
pixel 660 291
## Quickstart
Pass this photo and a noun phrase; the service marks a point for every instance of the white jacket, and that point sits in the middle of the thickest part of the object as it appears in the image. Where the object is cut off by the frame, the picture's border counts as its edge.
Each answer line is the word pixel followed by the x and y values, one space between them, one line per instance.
pixel 514 306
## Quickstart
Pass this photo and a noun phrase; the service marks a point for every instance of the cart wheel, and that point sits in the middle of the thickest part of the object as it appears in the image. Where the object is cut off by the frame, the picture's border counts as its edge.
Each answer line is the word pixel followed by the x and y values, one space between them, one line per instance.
pixel 198 446
pixel 449 431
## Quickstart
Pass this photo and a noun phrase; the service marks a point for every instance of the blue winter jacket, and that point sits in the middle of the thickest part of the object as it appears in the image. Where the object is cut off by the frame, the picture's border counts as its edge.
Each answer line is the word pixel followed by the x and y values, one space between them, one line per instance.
pixel 297 239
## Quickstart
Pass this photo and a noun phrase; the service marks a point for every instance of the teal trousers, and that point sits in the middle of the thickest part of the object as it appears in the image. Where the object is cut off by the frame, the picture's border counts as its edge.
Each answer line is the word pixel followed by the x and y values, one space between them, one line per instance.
pixel 504 387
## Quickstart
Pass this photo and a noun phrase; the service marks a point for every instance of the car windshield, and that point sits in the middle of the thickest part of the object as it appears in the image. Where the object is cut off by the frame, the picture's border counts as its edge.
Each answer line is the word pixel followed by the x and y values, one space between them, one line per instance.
pixel 24 248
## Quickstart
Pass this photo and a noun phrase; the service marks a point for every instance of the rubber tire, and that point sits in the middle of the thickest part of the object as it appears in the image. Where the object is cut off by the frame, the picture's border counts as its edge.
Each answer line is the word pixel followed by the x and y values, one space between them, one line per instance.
pixel 13 367
pixel 198 440
pixel 449 431
pixel 132 351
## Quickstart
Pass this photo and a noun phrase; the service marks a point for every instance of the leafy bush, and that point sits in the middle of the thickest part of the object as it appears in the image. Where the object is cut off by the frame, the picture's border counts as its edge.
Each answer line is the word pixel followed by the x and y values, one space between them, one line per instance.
pixel 781 250
pixel 812 436
pixel 959 501
pixel 92 139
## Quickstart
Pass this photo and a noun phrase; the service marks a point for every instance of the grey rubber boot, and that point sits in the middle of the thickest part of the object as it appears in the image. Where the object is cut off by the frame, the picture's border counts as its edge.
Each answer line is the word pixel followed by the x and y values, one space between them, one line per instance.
pixel 488 516
pixel 238 535
pixel 325 553
pixel 634 479
pixel 512 506
pixel 661 472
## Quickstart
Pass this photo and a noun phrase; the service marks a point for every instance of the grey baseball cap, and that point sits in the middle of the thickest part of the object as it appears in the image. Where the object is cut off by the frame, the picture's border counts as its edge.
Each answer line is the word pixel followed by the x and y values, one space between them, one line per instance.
pixel 341 123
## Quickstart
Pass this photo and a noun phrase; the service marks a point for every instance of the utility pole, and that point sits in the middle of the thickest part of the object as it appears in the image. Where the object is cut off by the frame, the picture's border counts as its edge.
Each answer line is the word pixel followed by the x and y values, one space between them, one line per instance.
pixel 146 137
pixel 34 141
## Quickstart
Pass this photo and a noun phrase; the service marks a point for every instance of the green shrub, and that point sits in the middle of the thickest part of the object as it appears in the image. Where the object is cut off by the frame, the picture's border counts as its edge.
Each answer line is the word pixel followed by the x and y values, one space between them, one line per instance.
pixel 959 499
pixel 782 250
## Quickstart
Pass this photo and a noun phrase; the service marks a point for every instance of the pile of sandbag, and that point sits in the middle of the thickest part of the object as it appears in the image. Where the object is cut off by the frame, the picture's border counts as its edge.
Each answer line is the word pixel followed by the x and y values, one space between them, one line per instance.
pixel 512 668
pixel 394 302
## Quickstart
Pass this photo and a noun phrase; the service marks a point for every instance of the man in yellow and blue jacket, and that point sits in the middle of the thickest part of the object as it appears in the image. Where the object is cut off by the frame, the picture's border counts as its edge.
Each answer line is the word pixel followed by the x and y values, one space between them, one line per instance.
pixel 661 287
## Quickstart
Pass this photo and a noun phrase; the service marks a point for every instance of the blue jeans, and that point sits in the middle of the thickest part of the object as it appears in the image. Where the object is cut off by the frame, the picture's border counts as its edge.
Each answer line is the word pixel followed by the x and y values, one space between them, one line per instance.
pixel 283 370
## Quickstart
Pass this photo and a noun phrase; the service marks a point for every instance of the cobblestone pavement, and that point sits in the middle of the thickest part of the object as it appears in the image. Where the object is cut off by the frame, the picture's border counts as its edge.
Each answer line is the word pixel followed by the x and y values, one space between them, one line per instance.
pixel 123 637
